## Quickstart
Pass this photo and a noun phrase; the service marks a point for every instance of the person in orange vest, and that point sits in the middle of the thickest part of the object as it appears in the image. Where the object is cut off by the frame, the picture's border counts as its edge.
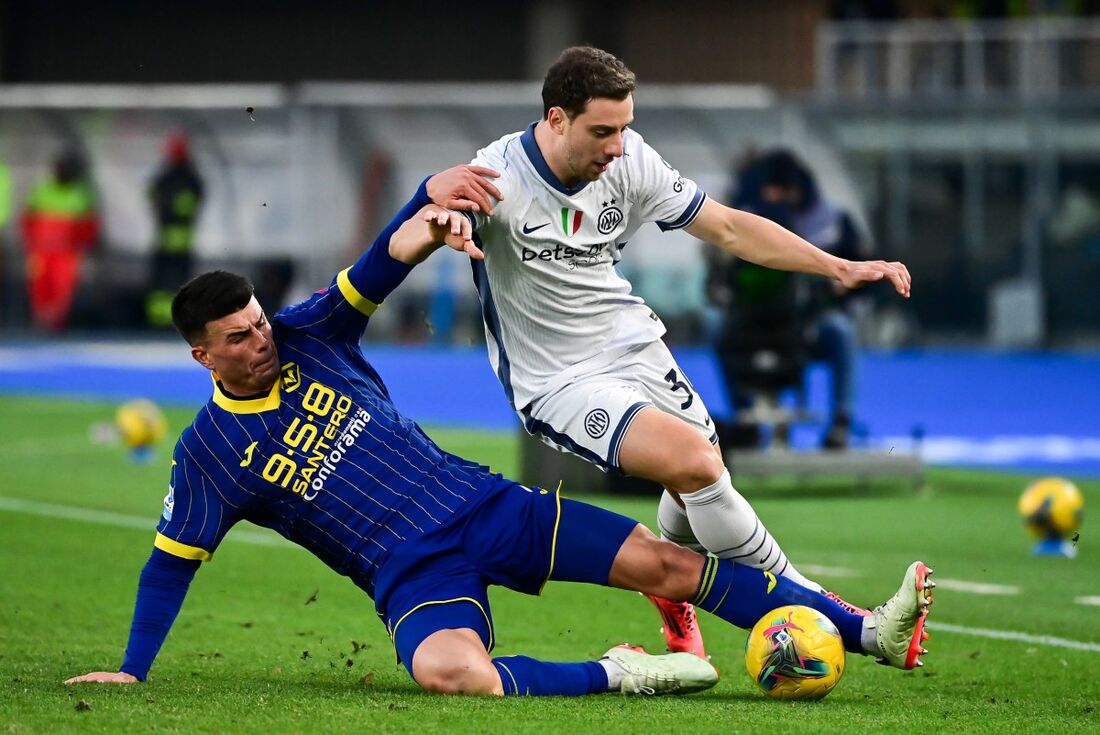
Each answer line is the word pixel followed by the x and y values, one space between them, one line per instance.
pixel 59 225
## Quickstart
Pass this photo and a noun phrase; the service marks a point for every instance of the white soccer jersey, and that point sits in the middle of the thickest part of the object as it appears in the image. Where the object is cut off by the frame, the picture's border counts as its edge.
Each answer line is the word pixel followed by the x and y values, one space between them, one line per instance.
pixel 551 296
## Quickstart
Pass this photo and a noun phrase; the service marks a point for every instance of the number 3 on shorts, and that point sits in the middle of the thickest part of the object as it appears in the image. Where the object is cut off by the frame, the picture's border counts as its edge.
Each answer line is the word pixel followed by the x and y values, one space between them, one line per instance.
pixel 677 384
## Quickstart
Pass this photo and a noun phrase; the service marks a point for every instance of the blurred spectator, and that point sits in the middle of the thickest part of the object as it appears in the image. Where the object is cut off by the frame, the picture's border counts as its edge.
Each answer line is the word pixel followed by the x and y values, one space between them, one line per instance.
pixel 1076 217
pixel 59 225
pixel 176 194
pixel 778 186
pixel 999 9
pixel 11 296
pixel 272 280
pixel 877 10
pixel 5 195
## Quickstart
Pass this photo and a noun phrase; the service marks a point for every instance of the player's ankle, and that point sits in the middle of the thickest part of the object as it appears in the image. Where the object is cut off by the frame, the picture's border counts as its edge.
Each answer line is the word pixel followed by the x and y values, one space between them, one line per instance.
pixel 615 674
pixel 868 639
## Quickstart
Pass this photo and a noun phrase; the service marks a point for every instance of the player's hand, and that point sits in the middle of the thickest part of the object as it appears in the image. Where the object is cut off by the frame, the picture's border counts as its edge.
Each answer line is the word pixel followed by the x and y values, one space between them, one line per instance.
pixel 857 273
pixel 104 677
pixel 465 188
pixel 453 230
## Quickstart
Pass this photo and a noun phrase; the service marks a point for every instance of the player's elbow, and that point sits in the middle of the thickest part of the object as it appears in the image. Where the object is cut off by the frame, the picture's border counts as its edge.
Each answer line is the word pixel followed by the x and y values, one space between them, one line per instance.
pixel 724 230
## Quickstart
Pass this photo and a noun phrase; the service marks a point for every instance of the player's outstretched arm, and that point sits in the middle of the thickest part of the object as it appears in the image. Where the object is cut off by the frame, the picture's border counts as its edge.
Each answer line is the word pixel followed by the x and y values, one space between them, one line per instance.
pixel 465 188
pixel 161 589
pixel 423 233
pixel 765 243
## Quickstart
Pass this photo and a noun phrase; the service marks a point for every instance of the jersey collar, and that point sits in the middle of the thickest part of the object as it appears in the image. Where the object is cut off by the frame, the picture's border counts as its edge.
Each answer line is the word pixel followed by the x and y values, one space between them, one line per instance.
pixel 531 148
pixel 252 405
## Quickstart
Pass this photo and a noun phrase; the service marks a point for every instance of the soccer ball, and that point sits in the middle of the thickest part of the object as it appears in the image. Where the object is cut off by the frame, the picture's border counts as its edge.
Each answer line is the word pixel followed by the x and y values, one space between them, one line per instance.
pixel 1051 508
pixel 795 652
pixel 140 423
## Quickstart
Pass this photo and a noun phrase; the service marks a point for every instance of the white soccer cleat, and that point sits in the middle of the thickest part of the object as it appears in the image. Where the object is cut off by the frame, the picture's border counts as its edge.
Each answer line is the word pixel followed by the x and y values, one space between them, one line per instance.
pixel 671 673
pixel 899 622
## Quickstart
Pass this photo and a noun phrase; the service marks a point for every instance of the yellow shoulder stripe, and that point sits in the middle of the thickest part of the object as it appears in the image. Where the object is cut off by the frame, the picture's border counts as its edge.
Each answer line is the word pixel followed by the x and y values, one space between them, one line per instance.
pixel 351 293
pixel 175 548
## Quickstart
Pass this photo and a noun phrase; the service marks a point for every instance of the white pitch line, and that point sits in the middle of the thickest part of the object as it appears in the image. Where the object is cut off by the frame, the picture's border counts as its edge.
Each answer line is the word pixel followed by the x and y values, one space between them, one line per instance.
pixel 822 571
pixel 978 588
pixel 1013 635
pixel 1088 600
pixel 107 518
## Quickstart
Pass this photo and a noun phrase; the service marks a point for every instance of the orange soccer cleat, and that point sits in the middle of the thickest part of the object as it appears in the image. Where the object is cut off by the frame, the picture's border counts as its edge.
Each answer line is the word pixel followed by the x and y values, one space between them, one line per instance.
pixel 680 626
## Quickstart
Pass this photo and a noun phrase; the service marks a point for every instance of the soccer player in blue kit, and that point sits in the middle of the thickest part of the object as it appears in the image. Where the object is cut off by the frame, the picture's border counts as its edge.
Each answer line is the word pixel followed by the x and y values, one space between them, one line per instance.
pixel 300 436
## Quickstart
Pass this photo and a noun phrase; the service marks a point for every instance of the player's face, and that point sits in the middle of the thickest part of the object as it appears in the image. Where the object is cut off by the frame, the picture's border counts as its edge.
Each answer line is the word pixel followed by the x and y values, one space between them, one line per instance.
pixel 594 138
pixel 785 195
pixel 239 348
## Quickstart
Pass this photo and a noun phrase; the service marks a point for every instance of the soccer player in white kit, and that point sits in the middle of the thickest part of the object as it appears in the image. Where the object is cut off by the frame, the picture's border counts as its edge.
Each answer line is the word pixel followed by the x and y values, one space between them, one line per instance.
pixel 579 356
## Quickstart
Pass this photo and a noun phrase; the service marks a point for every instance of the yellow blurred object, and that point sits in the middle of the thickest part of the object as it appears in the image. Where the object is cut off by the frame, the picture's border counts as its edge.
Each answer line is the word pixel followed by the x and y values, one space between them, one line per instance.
pixel 1052 508
pixel 140 423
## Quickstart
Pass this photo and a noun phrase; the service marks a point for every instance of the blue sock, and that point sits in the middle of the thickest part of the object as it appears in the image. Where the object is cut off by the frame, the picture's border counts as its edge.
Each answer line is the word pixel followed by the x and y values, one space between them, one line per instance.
pixel 528 677
pixel 742 595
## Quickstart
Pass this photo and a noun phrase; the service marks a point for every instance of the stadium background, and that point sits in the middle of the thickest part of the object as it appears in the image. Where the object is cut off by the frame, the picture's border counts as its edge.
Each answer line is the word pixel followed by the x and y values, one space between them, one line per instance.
pixel 962 134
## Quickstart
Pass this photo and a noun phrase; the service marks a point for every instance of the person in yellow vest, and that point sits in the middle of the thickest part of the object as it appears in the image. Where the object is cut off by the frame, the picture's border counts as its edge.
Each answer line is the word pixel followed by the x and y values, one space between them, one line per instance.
pixel 59 225
pixel 176 194
pixel 7 299
pixel 5 194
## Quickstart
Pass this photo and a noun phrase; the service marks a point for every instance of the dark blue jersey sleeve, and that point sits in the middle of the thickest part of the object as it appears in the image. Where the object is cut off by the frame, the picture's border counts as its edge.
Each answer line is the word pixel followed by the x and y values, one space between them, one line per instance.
pixel 342 310
pixel 376 274
pixel 161 588
pixel 197 512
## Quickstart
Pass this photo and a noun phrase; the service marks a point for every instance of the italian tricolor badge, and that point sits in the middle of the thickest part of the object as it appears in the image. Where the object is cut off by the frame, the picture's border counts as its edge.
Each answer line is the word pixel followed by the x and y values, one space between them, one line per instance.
pixel 570 220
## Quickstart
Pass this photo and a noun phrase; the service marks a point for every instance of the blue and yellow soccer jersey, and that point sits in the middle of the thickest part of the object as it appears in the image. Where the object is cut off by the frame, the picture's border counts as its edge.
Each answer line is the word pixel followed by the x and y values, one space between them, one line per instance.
pixel 324 459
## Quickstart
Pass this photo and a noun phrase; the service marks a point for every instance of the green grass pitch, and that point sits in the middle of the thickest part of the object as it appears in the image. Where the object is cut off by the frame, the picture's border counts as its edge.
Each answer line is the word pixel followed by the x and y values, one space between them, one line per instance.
pixel 251 652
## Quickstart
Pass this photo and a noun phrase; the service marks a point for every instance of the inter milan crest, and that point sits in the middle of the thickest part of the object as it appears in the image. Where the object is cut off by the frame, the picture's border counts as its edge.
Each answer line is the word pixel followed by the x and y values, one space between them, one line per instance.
pixel 596 423
pixel 609 218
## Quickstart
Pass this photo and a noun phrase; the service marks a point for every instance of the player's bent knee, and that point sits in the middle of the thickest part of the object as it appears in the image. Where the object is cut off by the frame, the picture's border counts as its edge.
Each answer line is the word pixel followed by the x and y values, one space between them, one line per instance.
pixel 462 681
pixel 459 675
pixel 699 468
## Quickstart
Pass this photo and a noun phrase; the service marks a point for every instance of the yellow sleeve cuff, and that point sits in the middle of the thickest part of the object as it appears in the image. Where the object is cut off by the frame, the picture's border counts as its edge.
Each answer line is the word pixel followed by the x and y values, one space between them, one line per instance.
pixel 356 299
pixel 175 548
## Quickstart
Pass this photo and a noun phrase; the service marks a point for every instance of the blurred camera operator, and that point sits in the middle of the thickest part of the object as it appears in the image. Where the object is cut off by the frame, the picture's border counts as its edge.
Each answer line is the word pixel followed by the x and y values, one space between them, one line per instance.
pixel 778 186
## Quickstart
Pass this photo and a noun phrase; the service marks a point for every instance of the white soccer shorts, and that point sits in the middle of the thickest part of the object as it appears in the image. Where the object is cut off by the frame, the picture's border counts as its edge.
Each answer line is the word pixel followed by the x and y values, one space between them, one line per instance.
pixel 591 414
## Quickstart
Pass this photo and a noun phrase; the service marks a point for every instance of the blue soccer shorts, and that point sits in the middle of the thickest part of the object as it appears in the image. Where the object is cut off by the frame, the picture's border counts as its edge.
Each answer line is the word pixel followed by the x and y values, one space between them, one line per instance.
pixel 515 537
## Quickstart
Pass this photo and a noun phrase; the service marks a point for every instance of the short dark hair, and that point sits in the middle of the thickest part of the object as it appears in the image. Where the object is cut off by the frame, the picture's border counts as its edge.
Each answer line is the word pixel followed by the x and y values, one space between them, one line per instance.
pixel 583 73
pixel 206 298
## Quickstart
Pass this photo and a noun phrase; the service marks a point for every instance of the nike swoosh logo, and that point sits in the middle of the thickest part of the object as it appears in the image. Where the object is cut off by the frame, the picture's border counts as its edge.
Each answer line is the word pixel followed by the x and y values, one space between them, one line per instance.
pixel 528 230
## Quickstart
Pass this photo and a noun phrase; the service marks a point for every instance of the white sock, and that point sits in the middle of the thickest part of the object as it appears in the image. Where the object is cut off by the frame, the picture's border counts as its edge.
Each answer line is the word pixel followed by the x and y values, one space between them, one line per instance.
pixel 614 674
pixel 869 638
pixel 729 528
pixel 673 524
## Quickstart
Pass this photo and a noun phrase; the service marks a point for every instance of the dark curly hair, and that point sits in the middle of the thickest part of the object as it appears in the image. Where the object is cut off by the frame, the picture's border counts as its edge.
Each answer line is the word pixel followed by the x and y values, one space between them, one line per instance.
pixel 582 73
